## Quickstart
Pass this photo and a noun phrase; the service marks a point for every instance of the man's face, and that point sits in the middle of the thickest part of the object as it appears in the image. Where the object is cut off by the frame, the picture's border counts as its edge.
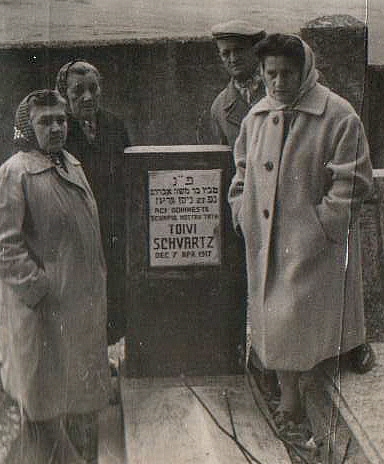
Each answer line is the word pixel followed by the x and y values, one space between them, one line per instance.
pixel 282 77
pixel 238 57
pixel 83 93
pixel 50 126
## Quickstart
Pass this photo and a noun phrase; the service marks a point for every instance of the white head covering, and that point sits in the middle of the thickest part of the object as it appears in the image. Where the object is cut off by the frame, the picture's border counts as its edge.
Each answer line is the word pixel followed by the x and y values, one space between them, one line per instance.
pixel 309 77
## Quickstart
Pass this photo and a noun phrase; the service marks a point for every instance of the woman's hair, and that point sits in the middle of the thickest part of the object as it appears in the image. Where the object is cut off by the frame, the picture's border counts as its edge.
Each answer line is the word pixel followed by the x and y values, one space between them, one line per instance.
pixel 78 66
pixel 24 136
pixel 281 45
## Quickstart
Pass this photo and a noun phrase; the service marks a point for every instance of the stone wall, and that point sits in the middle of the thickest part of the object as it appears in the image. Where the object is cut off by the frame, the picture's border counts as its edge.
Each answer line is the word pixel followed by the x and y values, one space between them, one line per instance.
pixel 163 90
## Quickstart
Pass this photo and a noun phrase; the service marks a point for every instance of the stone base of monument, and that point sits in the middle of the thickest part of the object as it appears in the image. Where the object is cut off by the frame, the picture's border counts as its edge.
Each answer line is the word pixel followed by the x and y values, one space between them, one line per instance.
pixel 196 420
pixel 347 411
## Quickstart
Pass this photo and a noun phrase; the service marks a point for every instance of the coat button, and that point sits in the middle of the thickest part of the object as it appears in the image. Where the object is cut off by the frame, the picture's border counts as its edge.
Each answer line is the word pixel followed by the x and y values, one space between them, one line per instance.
pixel 275 119
pixel 269 165
pixel 266 213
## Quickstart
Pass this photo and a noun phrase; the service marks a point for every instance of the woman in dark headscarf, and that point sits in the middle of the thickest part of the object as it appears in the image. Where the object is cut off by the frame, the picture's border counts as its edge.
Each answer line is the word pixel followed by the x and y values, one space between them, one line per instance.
pixel 97 138
pixel 52 287
pixel 302 172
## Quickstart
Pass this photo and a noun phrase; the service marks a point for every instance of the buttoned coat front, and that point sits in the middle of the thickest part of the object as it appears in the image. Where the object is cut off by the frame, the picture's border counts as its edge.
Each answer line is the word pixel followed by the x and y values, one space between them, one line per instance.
pixel 53 345
pixel 297 204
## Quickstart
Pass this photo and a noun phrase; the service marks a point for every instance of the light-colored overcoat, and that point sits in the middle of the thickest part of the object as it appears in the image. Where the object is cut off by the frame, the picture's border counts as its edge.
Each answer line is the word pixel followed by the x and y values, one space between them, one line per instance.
pixel 297 205
pixel 53 344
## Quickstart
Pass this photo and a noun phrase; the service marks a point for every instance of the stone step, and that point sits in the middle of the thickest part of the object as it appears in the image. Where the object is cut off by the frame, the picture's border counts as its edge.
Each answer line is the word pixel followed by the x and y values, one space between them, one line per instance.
pixel 347 411
pixel 170 421
pixel 111 436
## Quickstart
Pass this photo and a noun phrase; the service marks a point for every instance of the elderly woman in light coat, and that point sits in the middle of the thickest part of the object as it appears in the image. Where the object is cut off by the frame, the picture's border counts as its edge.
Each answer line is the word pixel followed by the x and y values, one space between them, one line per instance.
pixel 302 172
pixel 52 287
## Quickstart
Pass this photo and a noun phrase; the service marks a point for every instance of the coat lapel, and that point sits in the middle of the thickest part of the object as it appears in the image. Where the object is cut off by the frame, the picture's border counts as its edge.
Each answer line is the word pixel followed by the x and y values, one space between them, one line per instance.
pixel 235 106
pixel 38 163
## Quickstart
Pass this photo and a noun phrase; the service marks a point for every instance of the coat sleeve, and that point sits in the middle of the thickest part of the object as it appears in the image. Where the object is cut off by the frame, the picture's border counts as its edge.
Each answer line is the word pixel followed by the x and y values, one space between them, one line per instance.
pixel 18 269
pixel 236 189
pixel 351 179
pixel 216 129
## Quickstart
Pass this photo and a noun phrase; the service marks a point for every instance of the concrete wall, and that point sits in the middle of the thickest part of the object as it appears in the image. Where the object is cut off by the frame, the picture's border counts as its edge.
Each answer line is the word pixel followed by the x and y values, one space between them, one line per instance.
pixel 164 89
pixel 161 89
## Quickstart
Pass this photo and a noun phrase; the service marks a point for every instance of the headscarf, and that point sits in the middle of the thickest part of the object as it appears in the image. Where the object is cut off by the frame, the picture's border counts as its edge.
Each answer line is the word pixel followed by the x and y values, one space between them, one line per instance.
pixel 64 71
pixel 24 137
pixel 309 76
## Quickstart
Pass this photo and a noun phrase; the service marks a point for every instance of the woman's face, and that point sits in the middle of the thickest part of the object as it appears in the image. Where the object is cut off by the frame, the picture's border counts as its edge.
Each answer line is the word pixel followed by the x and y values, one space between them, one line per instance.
pixel 83 94
pixel 50 126
pixel 282 77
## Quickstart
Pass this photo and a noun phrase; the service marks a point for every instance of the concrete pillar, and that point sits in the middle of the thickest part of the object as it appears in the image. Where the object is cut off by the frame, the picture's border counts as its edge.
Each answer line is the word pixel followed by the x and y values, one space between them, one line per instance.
pixel 340 45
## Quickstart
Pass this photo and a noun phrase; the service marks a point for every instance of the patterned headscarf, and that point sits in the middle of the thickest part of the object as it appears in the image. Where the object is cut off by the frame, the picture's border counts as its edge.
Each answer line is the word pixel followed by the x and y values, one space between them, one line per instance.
pixel 78 66
pixel 24 136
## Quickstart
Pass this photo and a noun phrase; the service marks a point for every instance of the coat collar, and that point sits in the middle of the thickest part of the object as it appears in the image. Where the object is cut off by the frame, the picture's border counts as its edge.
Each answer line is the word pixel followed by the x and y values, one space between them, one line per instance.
pixel 38 163
pixel 314 102
pixel 232 95
pixel 234 105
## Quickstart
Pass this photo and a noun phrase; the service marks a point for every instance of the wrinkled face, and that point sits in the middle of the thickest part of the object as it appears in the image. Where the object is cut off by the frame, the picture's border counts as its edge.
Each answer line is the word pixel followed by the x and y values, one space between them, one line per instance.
pixel 238 57
pixel 50 126
pixel 83 94
pixel 282 77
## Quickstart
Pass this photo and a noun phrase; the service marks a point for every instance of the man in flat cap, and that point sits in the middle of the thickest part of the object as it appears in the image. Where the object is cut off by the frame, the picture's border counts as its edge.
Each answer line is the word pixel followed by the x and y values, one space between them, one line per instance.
pixel 236 42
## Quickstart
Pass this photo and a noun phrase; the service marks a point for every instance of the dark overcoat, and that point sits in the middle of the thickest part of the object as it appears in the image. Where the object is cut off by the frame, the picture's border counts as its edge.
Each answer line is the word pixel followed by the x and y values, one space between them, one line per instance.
pixel 103 164
pixel 228 110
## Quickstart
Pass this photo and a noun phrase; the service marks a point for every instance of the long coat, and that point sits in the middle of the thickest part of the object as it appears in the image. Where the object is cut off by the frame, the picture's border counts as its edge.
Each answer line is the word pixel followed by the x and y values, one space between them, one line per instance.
pixel 53 344
pixel 228 110
pixel 103 164
pixel 297 205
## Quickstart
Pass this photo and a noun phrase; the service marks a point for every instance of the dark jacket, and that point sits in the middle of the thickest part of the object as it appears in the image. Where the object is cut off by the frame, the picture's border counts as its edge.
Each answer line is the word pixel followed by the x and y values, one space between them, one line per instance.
pixel 228 110
pixel 102 161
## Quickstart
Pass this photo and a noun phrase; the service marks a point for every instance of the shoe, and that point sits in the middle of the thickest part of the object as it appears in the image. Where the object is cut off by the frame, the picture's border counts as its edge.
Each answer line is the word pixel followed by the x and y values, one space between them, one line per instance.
pixel 285 420
pixel 362 358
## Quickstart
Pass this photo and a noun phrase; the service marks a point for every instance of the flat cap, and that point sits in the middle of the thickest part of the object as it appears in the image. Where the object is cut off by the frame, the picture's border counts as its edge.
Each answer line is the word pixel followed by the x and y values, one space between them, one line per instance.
pixel 237 28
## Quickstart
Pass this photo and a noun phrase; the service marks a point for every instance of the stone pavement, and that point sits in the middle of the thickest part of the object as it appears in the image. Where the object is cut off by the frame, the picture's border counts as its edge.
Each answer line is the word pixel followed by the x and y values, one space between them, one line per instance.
pixel 9 424
pixel 348 411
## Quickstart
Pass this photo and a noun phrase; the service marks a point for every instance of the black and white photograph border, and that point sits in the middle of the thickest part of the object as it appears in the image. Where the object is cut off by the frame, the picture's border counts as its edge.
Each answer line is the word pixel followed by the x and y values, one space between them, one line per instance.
pixel 180 392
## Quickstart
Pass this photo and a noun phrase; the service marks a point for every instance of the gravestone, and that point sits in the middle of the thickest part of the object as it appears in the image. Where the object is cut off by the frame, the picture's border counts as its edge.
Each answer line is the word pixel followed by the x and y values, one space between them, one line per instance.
pixel 186 281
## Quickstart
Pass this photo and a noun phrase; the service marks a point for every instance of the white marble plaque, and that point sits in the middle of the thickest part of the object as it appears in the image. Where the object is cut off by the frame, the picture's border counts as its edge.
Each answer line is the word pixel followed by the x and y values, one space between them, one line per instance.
pixel 185 217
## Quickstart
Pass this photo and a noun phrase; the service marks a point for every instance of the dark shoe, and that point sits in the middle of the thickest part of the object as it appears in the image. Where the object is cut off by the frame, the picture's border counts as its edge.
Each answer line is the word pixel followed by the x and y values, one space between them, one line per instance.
pixel 362 358
pixel 287 419
pixel 296 433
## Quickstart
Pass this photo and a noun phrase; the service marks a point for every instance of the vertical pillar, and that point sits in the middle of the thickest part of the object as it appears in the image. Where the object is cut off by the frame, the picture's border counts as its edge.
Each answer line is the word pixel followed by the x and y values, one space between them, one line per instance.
pixel 340 46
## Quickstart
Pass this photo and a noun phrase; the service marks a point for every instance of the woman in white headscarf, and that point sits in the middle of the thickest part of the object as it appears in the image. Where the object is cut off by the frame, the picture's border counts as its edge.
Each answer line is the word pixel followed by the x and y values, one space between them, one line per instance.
pixel 302 172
